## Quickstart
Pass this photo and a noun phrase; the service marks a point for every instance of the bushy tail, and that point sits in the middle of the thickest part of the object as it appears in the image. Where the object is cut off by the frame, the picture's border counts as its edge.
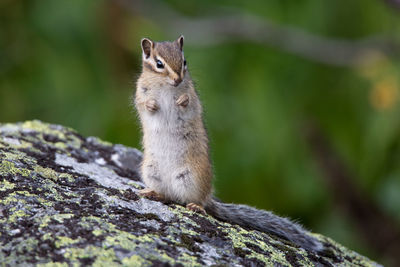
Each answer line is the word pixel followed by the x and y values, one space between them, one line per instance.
pixel 264 221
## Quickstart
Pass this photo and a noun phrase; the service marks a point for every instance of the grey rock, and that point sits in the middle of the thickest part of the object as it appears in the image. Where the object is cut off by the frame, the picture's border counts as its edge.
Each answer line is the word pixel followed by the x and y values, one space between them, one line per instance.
pixel 67 200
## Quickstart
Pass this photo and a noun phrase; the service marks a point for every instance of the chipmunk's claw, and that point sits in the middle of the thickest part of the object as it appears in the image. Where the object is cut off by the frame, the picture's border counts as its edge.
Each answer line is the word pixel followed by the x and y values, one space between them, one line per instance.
pixel 151 194
pixel 183 100
pixel 196 208
pixel 151 105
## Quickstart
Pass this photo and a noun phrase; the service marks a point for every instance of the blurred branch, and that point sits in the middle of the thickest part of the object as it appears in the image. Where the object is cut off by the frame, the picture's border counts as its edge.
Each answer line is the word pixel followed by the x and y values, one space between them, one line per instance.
pixel 231 25
pixel 394 3
pixel 379 230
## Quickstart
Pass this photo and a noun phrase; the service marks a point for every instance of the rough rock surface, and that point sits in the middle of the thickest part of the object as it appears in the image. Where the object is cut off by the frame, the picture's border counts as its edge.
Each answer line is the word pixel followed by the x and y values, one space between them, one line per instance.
pixel 66 200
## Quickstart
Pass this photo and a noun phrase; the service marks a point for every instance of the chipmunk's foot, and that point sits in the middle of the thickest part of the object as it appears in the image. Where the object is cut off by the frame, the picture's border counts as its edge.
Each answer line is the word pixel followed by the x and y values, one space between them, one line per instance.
pixel 183 100
pixel 196 208
pixel 151 194
pixel 151 105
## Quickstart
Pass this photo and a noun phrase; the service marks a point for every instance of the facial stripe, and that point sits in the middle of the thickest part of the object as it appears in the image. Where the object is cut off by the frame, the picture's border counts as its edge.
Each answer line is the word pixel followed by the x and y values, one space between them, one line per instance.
pixel 150 67
pixel 171 71
pixel 171 53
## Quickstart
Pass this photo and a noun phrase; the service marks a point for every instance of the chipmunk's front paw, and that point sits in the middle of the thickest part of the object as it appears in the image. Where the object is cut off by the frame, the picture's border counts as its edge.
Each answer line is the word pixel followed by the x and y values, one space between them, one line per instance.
pixel 196 208
pixel 151 105
pixel 151 194
pixel 183 100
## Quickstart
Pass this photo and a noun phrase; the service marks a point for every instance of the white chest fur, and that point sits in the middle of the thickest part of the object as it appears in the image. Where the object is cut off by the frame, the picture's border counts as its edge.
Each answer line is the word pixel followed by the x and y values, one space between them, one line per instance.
pixel 164 130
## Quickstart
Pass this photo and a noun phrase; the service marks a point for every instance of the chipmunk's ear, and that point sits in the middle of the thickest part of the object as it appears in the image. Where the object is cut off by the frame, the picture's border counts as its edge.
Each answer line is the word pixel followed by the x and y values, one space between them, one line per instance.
pixel 147 46
pixel 180 42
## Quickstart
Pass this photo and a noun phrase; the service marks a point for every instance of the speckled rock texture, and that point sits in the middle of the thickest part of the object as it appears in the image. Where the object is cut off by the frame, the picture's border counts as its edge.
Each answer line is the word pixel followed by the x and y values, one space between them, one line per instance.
pixel 67 200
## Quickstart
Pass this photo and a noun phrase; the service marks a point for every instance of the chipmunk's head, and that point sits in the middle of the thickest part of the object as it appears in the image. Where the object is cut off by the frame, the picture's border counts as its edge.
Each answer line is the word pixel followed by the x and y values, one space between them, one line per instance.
pixel 165 59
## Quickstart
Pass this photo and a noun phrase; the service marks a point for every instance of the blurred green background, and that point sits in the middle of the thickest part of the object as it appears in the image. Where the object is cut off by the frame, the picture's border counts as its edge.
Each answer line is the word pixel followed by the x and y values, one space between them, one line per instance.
pixel 266 101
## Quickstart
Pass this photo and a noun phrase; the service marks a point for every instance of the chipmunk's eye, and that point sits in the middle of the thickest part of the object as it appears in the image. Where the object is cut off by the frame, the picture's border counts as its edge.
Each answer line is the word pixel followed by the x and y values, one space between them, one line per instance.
pixel 184 62
pixel 160 65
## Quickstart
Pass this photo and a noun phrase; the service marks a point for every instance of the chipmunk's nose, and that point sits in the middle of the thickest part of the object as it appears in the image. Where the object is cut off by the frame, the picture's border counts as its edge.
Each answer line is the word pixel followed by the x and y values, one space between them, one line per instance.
pixel 177 81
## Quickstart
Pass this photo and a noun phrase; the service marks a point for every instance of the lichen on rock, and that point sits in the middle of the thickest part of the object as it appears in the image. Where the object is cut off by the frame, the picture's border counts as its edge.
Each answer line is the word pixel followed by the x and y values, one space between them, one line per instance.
pixel 69 200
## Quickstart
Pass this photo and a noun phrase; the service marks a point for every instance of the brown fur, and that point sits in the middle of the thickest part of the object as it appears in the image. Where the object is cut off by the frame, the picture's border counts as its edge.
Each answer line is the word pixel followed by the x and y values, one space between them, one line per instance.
pixel 192 163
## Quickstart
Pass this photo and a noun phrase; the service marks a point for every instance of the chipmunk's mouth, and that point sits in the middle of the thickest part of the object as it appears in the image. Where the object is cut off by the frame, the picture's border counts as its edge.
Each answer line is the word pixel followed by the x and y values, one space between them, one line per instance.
pixel 175 83
pixel 172 84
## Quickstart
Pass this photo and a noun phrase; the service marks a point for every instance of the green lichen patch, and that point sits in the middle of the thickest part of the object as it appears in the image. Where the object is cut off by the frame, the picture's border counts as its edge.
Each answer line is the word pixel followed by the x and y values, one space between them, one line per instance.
pixel 8 168
pixel 6 185
pixel 67 200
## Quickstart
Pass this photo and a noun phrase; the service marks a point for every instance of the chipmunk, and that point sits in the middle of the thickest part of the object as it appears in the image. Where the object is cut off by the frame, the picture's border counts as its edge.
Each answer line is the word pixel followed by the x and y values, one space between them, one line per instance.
pixel 176 162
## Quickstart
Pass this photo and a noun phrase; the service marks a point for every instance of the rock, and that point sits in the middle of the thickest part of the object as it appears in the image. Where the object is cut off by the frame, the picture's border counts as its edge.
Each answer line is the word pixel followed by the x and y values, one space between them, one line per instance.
pixel 69 200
